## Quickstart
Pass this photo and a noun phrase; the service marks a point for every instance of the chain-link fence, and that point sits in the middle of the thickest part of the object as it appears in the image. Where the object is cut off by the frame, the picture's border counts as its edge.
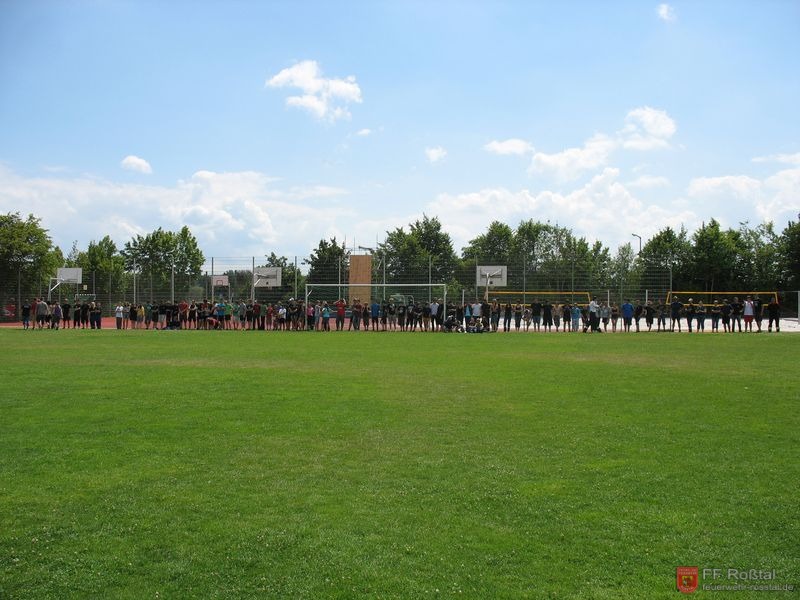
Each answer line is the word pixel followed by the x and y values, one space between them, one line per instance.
pixel 357 275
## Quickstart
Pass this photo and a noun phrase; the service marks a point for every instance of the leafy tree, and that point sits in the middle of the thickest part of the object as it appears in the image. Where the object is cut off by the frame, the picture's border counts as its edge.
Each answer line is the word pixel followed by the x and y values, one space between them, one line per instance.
pixel 26 250
pixel 103 265
pixel 327 262
pixel 159 251
pixel 405 258
pixel 625 277
pixel 759 262
pixel 436 244
pixel 409 255
pixel 668 251
pixel 789 256
pixel 714 257
pixel 495 247
pixel 556 260
pixel 535 242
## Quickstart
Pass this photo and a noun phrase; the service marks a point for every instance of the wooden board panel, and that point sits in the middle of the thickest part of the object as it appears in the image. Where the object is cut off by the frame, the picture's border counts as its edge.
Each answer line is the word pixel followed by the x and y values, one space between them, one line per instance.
pixel 360 273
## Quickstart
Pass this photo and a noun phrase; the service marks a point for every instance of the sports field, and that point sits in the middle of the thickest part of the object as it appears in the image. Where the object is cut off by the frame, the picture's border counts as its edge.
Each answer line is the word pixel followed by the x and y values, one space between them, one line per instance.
pixel 308 465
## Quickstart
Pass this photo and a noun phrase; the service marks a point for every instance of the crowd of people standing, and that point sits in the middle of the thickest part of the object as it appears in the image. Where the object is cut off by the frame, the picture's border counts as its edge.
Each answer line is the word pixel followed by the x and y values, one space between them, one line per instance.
pixel 43 314
pixel 410 315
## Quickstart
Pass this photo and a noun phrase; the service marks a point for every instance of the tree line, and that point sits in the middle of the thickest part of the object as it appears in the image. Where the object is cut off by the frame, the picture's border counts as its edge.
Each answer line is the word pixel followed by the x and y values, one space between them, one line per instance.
pixel 540 255
pixel 547 256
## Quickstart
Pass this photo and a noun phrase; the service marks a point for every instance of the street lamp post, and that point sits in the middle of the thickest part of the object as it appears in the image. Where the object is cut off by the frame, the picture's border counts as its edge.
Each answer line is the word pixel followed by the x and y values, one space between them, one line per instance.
pixel 636 235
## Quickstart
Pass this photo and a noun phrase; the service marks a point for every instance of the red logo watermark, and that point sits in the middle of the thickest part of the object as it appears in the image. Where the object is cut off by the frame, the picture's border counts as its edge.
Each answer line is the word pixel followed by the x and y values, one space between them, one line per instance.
pixel 687 579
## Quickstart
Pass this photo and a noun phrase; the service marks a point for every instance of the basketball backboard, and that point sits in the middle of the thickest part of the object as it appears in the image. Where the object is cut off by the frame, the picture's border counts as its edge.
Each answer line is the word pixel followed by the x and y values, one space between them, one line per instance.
pixel 70 275
pixel 267 277
pixel 491 275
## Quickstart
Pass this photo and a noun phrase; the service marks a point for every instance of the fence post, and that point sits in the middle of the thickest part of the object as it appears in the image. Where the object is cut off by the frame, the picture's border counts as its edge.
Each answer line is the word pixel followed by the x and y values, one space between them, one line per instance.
pixel 524 277
pixel 19 294
pixel 430 271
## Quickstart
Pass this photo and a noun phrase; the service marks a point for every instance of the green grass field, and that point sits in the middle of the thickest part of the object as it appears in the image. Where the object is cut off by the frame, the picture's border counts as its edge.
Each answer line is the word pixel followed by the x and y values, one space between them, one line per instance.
pixel 229 465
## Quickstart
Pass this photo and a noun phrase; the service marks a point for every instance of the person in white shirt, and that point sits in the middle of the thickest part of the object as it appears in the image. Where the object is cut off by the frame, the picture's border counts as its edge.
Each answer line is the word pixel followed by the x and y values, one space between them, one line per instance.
pixel 749 313
pixel 118 312
pixel 594 315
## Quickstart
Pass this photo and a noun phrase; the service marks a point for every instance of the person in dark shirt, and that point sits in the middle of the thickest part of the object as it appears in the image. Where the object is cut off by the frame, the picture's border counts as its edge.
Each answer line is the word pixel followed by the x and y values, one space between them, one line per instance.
pixel 758 312
pixel 66 316
pixel 162 315
pixel 675 309
pixel 661 317
pixel 536 314
pixel 700 315
pixel 85 312
pixel 547 315
pixel 26 314
pixel 638 311
pixel 154 316
pixel 649 313
pixel 725 310
pixel 401 316
pixel 716 313
pixel 689 311
pixel 737 309
pixel 96 316
pixel 426 316
pixel 774 314
pixel 495 315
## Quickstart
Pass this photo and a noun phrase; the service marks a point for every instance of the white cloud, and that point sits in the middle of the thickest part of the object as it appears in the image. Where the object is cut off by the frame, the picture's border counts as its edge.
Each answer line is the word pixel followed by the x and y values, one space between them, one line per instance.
pixel 789 159
pixel 603 208
pixel 781 196
pixel 510 146
pixel 572 162
pixel 325 98
pixel 364 132
pixel 736 186
pixel 435 154
pixel 666 13
pixel 647 128
pixel 231 214
pixel 648 182
pixel 134 163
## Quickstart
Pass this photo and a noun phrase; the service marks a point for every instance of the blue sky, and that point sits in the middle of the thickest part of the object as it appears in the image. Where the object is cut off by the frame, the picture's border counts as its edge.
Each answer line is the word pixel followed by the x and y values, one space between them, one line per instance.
pixel 265 126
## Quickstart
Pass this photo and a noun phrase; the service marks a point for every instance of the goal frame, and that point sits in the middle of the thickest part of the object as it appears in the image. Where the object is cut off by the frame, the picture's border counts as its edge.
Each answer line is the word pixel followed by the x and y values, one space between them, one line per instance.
pixel 377 285
pixel 536 293
pixel 741 295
